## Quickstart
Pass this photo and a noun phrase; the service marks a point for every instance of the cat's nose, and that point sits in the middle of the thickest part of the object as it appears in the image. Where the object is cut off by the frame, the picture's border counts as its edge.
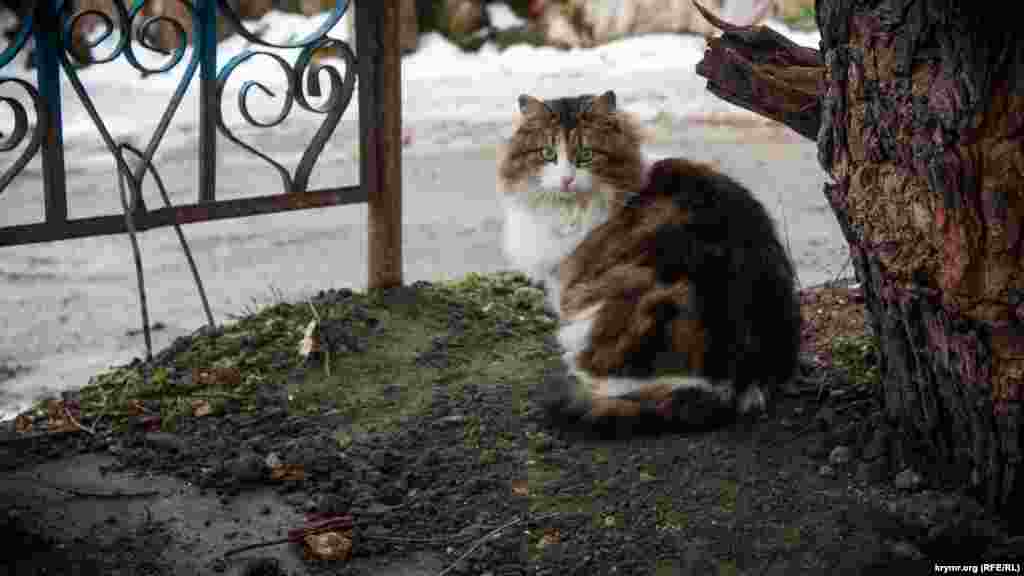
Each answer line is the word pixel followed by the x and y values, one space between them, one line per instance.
pixel 566 182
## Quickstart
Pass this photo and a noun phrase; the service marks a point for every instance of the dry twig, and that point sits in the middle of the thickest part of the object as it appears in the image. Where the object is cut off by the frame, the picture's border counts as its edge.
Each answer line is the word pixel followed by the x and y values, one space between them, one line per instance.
pixel 493 533
pixel 78 424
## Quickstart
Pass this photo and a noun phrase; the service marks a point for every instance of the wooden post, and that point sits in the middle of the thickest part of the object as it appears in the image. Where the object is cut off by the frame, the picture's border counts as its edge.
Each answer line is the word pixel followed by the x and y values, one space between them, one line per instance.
pixel 380 126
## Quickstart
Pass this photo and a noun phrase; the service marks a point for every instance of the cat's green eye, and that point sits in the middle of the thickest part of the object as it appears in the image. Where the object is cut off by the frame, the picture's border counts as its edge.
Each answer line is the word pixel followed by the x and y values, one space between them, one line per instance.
pixel 584 156
pixel 548 153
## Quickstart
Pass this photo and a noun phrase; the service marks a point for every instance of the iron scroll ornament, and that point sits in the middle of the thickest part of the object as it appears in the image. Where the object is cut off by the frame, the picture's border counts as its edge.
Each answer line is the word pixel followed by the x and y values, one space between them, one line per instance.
pixel 11 141
pixel 132 27
pixel 340 94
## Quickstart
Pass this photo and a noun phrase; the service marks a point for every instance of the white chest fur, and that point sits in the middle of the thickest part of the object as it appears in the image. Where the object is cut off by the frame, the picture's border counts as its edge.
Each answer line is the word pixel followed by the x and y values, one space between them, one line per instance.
pixel 537 239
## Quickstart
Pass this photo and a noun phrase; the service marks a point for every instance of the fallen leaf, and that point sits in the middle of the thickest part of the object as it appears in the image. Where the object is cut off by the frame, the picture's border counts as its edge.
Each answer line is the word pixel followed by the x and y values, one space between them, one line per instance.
pixel 288 472
pixel 201 408
pixel 551 536
pixel 23 423
pixel 521 487
pixel 151 423
pixel 56 418
pixel 229 377
pixel 311 341
pixel 135 408
pixel 329 545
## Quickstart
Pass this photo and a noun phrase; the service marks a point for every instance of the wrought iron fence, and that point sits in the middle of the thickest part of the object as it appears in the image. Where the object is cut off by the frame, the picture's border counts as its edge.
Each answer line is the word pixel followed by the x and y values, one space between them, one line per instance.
pixel 54 28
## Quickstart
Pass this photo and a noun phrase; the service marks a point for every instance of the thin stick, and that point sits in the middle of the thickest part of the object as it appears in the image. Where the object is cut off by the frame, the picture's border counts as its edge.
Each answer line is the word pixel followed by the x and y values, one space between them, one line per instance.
pixel 785 231
pixel 264 544
pixel 849 260
pixel 78 424
pixel 492 534
pixel 799 433
pixel 117 494
pixel 853 404
pixel 326 351
pixel 402 540
pixel 214 394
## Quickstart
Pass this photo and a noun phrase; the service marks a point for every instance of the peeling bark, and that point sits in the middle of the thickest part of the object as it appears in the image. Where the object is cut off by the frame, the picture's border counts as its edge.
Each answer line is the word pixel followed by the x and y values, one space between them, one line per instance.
pixel 921 111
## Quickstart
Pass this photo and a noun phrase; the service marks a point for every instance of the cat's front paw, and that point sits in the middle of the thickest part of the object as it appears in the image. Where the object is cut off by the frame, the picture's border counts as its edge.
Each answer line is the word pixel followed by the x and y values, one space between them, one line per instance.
pixel 752 401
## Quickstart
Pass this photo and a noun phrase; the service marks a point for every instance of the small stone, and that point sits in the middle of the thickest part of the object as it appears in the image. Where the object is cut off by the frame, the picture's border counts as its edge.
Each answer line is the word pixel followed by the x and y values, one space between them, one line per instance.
pixel 845 435
pixel 818 448
pixel 247 468
pixel 332 504
pixel 825 418
pixel 907 480
pixel 872 471
pixel 272 460
pixel 827 471
pixel 453 419
pixel 840 455
pixel 165 441
pixel 877 446
pixel 905 551
pixel 263 567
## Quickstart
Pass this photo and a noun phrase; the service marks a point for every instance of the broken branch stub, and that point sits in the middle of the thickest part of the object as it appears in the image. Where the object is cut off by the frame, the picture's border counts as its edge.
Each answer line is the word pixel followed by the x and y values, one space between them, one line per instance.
pixel 756 68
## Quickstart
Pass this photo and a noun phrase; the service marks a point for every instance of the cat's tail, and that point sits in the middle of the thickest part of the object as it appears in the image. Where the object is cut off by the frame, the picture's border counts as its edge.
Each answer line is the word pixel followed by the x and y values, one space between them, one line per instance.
pixel 692 404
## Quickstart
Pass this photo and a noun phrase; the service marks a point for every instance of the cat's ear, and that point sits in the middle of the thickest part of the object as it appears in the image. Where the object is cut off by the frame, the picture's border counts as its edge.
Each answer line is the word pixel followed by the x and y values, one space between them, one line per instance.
pixel 528 105
pixel 603 104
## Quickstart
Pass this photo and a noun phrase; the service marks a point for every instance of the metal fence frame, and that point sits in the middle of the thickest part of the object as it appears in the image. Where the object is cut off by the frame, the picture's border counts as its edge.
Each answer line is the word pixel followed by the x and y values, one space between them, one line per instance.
pixel 375 67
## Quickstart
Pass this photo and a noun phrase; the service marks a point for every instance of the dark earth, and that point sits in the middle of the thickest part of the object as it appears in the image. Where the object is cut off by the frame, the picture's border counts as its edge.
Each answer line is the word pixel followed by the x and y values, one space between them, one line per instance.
pixel 422 420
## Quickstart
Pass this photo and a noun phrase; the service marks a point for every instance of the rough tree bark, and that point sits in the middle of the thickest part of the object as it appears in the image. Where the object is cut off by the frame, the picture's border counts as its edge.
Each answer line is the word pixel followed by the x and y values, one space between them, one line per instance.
pixel 918 112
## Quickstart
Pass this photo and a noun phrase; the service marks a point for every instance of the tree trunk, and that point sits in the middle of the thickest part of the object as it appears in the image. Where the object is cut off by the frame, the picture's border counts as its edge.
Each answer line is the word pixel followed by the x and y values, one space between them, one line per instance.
pixel 919 118
pixel 923 110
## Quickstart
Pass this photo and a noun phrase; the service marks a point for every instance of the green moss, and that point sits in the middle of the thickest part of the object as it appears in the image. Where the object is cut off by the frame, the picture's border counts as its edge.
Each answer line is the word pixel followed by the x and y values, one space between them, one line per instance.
pixel 805 20
pixel 727 568
pixel 728 491
pixel 667 515
pixel 856 357
pixel 668 567
pixel 498 339
pixel 488 457
pixel 526 35
pixel 791 535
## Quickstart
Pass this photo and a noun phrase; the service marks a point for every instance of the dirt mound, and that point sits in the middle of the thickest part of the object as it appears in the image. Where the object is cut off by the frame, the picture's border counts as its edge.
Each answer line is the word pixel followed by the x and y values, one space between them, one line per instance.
pixel 422 416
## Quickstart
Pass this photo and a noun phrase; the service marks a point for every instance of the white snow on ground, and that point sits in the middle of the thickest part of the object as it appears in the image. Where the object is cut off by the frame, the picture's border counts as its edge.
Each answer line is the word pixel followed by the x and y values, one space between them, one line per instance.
pixel 66 308
pixel 652 74
pixel 502 17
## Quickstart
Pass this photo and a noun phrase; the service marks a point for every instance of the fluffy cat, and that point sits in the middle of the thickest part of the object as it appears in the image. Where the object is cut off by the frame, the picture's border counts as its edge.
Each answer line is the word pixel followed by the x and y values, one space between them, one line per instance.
pixel 675 296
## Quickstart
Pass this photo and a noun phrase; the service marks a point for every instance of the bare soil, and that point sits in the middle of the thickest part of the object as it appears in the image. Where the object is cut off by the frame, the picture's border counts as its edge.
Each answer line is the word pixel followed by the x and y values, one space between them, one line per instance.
pixel 430 429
